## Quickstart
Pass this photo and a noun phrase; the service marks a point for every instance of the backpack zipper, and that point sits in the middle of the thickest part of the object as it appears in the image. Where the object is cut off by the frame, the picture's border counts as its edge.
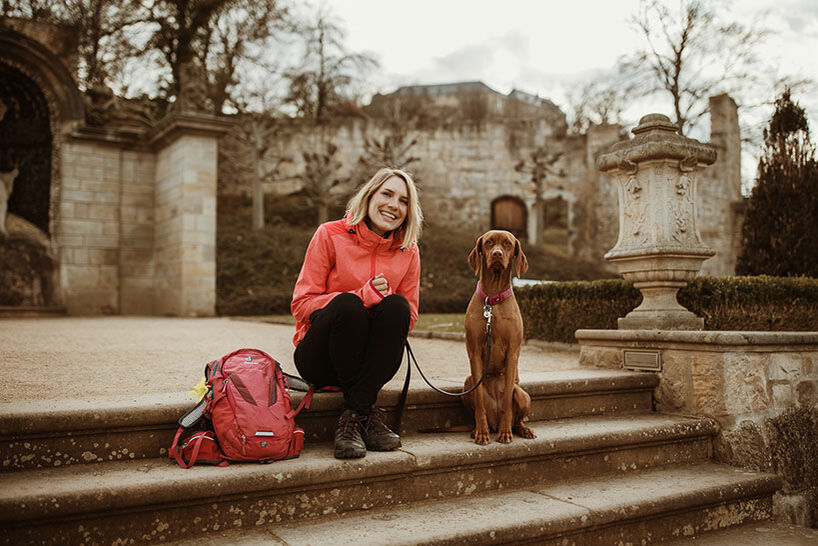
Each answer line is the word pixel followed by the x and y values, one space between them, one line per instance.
pixel 233 409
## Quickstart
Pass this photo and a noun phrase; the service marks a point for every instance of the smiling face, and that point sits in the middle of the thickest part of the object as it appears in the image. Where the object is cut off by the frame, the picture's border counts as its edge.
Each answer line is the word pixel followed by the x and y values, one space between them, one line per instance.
pixel 388 206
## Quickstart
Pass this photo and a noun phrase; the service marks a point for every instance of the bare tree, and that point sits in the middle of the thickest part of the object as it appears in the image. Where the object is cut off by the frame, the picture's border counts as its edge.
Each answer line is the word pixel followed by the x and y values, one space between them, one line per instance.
pixel 540 166
pixel 691 54
pixel 102 28
pixel 319 178
pixel 255 156
pixel 393 150
pixel 598 102
pixel 182 27
pixel 239 41
pixel 322 80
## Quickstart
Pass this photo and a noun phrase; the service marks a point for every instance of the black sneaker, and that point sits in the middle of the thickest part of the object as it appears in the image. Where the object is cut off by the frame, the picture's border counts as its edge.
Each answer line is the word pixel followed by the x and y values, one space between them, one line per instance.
pixel 348 441
pixel 377 435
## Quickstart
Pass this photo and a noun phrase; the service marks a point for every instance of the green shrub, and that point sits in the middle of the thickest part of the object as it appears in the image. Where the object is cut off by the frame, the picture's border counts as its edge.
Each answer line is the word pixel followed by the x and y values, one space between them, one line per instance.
pixel 754 303
pixel 256 270
pixel 553 312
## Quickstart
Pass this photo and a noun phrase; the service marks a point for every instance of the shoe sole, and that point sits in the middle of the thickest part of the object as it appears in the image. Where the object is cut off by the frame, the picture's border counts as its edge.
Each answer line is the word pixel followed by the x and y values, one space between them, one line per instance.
pixel 382 448
pixel 350 453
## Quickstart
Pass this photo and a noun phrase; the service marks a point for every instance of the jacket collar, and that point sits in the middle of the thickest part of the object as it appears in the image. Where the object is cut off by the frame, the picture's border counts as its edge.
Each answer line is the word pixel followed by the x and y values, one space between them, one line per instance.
pixel 366 237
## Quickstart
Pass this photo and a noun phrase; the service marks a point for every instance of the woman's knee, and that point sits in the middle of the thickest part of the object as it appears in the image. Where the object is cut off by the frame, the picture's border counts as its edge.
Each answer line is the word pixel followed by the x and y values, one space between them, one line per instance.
pixel 395 307
pixel 347 306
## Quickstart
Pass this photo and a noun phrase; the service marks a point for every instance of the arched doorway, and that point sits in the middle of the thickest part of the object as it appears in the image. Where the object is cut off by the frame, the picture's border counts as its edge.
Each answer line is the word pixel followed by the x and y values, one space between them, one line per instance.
pixel 510 213
pixel 25 145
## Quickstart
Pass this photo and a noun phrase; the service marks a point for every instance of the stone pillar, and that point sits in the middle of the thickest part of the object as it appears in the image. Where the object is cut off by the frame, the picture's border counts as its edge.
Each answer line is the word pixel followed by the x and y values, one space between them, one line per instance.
pixel 185 239
pixel 659 247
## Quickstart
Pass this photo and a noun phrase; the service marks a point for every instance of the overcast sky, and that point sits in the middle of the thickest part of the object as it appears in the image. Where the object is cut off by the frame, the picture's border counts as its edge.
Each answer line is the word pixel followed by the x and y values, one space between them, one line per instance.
pixel 541 46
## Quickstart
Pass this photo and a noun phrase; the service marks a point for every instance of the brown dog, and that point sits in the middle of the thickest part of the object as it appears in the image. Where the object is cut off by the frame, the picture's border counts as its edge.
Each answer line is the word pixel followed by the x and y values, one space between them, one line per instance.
pixel 499 403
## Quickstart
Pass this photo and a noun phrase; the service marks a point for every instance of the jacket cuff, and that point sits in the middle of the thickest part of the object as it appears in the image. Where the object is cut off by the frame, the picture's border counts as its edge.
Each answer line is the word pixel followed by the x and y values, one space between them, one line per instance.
pixel 369 295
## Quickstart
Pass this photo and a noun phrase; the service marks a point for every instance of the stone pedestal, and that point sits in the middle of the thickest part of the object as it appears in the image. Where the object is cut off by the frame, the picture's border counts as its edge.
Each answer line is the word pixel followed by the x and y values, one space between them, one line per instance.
pixel 659 247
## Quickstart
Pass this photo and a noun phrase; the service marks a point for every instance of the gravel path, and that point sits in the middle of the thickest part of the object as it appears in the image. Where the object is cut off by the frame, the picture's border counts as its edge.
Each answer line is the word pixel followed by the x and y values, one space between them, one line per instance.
pixel 82 357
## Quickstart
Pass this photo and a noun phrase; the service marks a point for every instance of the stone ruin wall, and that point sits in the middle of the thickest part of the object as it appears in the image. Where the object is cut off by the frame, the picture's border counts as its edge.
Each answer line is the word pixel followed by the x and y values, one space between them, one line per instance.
pixel 464 167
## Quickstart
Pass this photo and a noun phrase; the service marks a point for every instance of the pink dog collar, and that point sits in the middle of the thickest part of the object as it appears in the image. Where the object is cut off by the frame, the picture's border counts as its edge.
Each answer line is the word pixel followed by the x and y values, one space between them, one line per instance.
pixel 494 300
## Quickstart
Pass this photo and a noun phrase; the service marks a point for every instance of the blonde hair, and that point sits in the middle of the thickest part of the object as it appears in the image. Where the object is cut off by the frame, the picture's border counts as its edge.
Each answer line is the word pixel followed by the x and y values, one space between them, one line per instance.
pixel 358 207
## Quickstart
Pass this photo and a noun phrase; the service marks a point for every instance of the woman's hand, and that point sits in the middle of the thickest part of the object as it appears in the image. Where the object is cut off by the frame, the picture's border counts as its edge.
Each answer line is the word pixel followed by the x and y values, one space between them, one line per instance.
pixel 380 284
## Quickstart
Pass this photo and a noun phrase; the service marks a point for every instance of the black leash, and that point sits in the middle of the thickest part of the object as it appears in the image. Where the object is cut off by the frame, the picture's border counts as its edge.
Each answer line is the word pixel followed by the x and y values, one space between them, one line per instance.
pixel 410 357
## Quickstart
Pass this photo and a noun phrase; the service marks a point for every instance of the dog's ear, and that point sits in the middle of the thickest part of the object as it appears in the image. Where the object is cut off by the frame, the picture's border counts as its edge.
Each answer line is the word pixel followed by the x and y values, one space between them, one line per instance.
pixel 520 261
pixel 476 255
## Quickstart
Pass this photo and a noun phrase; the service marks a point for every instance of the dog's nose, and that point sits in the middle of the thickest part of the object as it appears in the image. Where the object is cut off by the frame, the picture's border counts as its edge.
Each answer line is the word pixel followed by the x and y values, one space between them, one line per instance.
pixel 498 252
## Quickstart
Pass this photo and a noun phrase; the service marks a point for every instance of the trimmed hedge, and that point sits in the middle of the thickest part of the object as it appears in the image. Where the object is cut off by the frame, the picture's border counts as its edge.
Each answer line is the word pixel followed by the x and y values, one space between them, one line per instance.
pixel 553 312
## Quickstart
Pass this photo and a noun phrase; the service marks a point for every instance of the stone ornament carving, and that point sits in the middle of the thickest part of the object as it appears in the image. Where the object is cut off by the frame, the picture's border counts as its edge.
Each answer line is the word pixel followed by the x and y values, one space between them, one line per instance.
pixel 659 247
pixel 103 107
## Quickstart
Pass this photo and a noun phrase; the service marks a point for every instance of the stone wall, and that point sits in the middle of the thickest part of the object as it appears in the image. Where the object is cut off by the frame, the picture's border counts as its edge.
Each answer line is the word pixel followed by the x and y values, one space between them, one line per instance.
pixel 87 229
pixel 762 388
pixel 130 215
pixel 465 166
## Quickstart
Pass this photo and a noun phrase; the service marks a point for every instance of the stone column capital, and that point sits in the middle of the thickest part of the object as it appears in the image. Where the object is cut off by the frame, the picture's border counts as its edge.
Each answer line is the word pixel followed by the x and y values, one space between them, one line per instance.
pixel 177 124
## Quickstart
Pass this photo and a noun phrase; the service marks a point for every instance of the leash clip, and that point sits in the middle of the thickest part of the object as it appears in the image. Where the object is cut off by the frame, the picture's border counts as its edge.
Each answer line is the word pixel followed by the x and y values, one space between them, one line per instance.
pixel 487 315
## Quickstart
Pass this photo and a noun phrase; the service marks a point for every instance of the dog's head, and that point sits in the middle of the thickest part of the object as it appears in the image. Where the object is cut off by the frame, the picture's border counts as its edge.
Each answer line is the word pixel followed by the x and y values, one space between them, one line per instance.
pixel 498 250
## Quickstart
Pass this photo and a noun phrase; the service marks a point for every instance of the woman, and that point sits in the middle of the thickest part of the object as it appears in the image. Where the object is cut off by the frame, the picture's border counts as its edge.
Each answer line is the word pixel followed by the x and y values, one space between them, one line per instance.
pixel 355 301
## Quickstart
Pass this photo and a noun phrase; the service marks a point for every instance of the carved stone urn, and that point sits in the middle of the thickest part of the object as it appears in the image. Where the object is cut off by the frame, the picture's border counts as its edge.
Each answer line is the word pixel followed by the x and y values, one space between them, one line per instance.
pixel 659 247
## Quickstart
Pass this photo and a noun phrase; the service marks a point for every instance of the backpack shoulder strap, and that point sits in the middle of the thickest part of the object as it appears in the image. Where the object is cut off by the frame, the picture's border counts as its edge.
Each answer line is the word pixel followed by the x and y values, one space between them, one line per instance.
pixel 305 403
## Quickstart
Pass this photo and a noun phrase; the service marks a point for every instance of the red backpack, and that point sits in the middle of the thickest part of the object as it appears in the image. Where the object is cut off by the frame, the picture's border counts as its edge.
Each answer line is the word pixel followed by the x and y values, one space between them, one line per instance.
pixel 248 402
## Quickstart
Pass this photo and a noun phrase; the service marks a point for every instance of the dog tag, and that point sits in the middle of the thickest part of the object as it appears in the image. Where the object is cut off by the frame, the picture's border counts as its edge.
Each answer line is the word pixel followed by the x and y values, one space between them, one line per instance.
pixel 487 311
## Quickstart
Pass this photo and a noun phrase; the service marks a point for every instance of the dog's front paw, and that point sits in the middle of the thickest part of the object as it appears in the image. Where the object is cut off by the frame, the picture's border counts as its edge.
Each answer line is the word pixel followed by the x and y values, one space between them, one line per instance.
pixel 524 432
pixel 481 437
pixel 504 437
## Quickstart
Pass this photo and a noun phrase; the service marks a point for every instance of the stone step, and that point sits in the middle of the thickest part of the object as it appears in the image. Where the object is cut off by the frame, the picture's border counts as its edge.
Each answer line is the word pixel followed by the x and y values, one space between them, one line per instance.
pixel 148 499
pixel 649 507
pixel 51 433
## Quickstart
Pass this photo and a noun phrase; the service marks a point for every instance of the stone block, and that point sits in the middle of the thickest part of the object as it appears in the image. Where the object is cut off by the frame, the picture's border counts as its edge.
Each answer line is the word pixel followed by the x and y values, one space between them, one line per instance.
pixel 794 509
pixel 103 256
pixel 103 212
pixel 744 446
pixel 102 241
pixel 786 367
pixel 137 296
pixel 806 393
pixel 109 276
pixel 709 395
pixel 80 227
pixel 745 383
pixel 600 357
pixel 75 276
pixel 76 256
pixel 675 390
pixel 77 195
pixel 783 395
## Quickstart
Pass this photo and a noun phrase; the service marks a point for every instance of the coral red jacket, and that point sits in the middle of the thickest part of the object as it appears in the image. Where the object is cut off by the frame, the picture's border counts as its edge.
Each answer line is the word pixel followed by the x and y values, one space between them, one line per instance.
pixel 343 258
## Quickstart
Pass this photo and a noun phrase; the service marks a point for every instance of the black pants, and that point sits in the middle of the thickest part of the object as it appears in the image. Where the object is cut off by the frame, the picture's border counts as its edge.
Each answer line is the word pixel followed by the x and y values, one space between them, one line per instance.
pixel 348 347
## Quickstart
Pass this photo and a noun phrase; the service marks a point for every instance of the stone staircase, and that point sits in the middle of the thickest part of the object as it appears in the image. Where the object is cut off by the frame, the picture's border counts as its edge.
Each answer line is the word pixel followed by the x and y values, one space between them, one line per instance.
pixel 604 469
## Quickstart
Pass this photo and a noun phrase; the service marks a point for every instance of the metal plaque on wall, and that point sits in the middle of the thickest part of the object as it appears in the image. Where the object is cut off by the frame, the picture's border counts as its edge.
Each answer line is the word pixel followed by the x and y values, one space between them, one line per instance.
pixel 642 360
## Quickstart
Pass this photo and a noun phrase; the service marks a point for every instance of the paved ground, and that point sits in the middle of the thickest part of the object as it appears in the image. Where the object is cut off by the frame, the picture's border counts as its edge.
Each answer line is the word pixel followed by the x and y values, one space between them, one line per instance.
pixel 77 357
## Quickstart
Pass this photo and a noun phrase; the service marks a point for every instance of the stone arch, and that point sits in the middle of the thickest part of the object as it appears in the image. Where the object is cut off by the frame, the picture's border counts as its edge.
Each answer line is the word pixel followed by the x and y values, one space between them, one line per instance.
pixel 48 105
pixel 511 214
pixel 25 145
